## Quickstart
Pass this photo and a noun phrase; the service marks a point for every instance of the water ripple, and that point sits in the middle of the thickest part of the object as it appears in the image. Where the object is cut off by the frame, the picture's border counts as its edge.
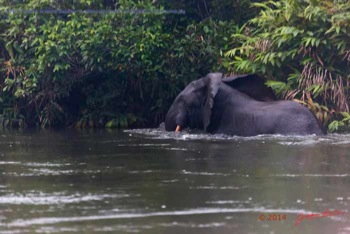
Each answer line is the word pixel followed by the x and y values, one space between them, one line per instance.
pixel 204 173
pixel 49 199
pixel 310 175
pixel 199 211
pixel 228 202
pixel 333 139
pixel 216 187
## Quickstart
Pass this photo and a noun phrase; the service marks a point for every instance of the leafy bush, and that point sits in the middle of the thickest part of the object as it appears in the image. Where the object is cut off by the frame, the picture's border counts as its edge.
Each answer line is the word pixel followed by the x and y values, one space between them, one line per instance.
pixel 303 47
pixel 112 70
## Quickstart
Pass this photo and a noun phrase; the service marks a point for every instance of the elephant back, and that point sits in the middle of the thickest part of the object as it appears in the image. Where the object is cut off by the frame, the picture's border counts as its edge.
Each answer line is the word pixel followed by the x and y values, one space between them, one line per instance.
pixel 252 85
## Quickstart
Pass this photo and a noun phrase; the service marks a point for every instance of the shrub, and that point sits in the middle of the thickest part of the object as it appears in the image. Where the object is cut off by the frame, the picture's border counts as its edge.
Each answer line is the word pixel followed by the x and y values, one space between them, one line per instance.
pixel 303 47
pixel 112 70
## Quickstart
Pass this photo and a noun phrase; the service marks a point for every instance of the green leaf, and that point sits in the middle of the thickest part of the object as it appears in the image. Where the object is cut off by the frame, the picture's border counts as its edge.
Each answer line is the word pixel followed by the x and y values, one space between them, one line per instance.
pixel 206 29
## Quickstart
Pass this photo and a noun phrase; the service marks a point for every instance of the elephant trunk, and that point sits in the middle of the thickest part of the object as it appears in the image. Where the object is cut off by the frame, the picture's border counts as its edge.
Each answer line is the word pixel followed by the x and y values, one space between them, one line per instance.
pixel 177 118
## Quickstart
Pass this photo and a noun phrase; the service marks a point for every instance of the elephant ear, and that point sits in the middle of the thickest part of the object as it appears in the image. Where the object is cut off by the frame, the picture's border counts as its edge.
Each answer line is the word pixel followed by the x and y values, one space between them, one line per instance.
pixel 212 81
pixel 252 85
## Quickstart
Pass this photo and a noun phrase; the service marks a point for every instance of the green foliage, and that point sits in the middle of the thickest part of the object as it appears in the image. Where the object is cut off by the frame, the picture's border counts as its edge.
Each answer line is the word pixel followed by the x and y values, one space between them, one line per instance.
pixel 340 125
pixel 238 11
pixel 305 46
pixel 102 70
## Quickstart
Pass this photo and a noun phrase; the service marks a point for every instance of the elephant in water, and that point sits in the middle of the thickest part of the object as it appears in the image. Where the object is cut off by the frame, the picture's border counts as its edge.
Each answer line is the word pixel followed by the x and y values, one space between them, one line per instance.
pixel 240 105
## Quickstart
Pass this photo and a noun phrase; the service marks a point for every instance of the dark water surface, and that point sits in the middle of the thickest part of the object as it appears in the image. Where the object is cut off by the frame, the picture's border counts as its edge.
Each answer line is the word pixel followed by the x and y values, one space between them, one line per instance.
pixel 148 181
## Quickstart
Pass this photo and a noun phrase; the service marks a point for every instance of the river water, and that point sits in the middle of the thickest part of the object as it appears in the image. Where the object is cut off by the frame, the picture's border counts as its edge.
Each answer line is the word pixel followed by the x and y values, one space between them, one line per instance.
pixel 148 181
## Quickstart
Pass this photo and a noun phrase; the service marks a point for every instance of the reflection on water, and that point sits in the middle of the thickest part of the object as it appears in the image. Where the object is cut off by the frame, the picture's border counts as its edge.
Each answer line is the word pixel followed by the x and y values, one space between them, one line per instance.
pixel 150 181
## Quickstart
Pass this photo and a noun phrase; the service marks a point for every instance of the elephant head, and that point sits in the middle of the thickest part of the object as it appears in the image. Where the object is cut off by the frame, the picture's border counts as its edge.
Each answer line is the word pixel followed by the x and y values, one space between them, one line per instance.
pixel 192 107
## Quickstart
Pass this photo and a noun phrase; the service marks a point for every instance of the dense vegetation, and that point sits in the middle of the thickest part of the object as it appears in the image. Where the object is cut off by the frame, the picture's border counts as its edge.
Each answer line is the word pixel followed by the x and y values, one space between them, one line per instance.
pixel 123 69
pixel 303 46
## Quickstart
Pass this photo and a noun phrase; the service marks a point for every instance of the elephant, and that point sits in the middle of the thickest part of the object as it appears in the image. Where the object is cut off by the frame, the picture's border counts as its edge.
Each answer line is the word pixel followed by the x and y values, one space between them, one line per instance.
pixel 236 106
